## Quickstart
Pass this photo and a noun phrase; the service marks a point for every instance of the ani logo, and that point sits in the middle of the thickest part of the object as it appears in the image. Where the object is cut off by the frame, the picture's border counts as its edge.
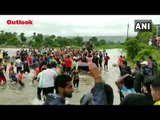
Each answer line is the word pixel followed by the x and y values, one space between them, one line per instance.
pixel 143 25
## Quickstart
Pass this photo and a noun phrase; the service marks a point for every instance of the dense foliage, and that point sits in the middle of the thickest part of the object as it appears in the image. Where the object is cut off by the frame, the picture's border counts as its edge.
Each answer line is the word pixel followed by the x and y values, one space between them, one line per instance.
pixel 138 49
pixel 40 40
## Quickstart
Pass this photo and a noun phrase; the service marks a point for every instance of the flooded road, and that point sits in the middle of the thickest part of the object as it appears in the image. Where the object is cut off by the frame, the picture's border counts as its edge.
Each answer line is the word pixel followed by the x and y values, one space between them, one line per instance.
pixel 109 77
pixel 27 95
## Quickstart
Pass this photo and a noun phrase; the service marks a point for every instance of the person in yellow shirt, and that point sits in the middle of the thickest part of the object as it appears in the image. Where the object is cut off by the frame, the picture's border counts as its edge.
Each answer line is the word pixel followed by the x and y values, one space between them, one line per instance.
pixel 4 63
pixel 54 58
pixel 155 90
pixel 1 56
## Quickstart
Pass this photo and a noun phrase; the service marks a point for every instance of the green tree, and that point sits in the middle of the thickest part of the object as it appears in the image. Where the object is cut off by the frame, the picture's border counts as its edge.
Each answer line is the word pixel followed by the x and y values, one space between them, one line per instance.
pixel 52 36
pixel 3 38
pixel 154 30
pixel 31 43
pixel 59 42
pixel 48 42
pixel 158 31
pixel 94 40
pixel 39 40
pixel 132 47
pixel 11 38
pixel 144 37
pixel 78 41
pixel 23 38
pixel 15 33
pixel 62 41
pixel 102 42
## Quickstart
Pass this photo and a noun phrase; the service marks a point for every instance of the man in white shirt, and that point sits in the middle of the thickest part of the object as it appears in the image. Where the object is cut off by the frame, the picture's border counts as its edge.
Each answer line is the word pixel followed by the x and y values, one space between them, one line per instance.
pixel 18 64
pixel 48 77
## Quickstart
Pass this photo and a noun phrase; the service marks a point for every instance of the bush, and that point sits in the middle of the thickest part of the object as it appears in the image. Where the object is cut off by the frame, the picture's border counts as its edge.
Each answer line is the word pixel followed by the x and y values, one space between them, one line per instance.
pixel 144 53
pixel 132 47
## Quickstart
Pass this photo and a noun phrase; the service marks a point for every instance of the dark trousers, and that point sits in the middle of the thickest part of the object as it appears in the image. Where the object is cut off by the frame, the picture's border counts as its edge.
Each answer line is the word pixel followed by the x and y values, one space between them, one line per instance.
pixel 64 69
pixel 48 90
pixel 5 68
pixel 120 69
pixel 100 63
pixel 19 69
pixel 97 64
pixel 105 64
pixel 1 60
pixel 39 90
pixel 76 83
pixel 21 83
pixel 68 70
pixel 27 70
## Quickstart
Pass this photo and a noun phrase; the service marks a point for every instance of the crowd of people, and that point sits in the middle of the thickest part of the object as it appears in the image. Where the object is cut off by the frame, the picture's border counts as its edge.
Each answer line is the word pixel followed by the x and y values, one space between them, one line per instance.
pixel 57 75
pixel 47 64
pixel 135 87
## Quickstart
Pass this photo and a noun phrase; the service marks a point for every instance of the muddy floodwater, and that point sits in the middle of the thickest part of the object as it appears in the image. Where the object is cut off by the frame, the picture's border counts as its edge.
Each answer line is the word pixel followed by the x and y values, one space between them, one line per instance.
pixel 15 95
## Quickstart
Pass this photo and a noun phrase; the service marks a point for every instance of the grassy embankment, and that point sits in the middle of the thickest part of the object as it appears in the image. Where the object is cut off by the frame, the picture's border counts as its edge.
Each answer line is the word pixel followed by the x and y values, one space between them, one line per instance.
pixel 143 54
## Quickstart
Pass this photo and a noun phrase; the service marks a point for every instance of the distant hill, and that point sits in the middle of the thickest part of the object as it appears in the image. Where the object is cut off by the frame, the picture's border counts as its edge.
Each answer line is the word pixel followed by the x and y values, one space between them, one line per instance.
pixel 107 38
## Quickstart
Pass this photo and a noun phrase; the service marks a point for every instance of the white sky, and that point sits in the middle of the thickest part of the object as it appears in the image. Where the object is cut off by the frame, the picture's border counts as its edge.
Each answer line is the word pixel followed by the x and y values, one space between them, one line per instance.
pixel 73 25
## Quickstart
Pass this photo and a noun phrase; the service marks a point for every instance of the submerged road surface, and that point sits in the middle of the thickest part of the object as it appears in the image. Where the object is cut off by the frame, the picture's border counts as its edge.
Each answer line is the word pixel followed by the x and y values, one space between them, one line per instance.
pixel 16 95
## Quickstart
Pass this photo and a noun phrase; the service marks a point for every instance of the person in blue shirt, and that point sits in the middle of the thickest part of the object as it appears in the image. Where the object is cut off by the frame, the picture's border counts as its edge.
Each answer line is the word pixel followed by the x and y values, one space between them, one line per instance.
pixel 125 85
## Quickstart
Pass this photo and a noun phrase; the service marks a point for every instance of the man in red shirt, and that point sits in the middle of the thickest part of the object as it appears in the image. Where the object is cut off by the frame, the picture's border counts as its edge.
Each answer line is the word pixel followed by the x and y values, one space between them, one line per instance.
pixel 106 58
pixel 68 64
pixel 17 53
pixel 11 69
pixel 120 62
pixel 29 59
pixel 20 77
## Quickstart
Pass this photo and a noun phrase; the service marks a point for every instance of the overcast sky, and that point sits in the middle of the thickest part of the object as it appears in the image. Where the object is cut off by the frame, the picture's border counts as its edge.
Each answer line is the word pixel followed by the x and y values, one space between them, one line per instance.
pixel 73 25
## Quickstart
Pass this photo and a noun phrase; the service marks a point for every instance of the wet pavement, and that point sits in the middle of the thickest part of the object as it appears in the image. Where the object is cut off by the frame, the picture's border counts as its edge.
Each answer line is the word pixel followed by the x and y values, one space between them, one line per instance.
pixel 16 95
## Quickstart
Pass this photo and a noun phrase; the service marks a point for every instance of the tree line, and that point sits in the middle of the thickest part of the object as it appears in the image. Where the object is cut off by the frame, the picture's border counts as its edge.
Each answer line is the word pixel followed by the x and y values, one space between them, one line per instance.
pixel 39 40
